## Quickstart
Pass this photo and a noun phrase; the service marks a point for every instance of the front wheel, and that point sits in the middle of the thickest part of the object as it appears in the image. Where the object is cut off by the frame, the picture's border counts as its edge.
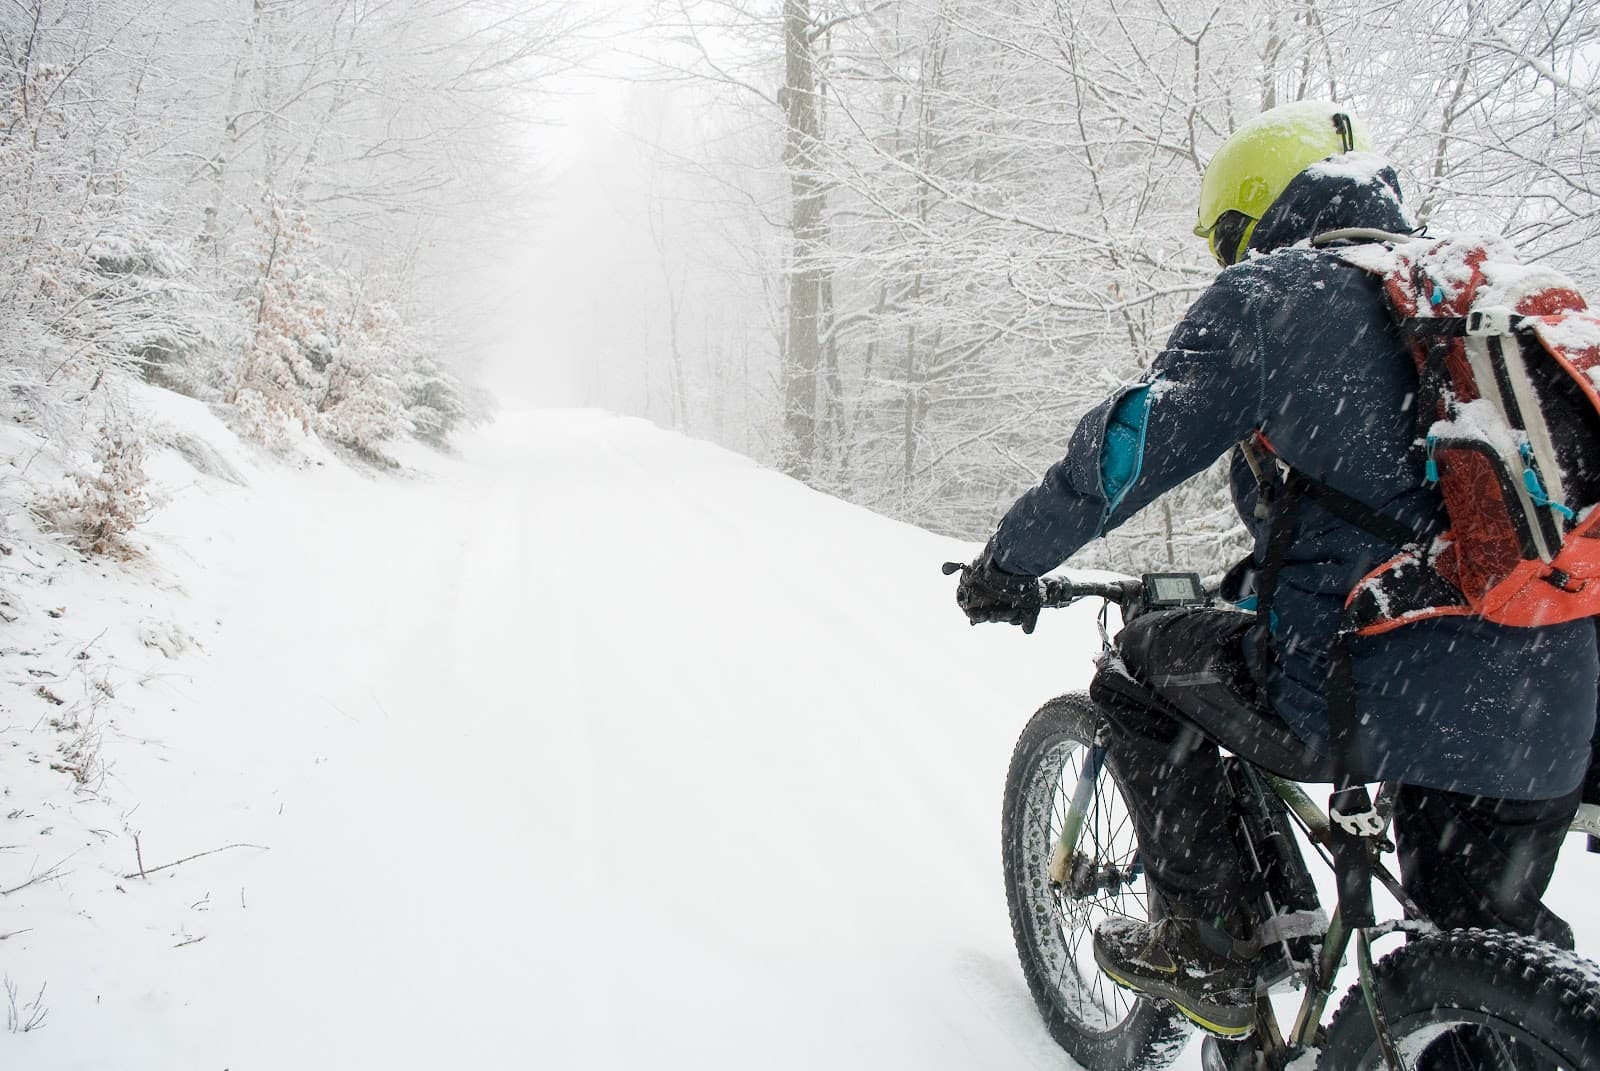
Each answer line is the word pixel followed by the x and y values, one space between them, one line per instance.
pixel 1101 1026
pixel 1474 1000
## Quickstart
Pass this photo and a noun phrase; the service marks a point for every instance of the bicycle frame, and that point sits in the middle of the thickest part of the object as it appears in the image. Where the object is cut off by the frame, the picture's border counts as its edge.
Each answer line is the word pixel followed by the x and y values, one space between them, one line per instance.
pixel 1319 978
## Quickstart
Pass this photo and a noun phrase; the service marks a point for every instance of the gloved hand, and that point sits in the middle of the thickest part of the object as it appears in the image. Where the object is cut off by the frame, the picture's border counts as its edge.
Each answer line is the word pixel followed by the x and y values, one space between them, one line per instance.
pixel 986 594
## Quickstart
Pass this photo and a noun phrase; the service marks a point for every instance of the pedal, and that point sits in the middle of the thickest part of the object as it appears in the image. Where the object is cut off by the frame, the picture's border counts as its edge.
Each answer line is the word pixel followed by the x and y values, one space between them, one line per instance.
pixel 1278 942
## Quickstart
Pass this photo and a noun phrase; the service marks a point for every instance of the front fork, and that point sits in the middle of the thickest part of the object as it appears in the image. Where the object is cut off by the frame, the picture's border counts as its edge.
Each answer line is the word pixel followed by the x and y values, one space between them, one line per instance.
pixel 1072 826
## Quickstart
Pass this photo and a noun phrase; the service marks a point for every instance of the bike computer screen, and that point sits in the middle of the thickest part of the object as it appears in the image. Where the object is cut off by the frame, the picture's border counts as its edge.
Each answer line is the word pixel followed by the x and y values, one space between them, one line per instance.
pixel 1162 590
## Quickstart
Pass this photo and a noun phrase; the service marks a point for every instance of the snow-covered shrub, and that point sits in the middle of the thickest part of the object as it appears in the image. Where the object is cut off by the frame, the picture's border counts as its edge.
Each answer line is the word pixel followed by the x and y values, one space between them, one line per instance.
pixel 278 370
pixel 324 353
pixel 105 502
pixel 434 399
pixel 89 290
pixel 152 313
pixel 362 405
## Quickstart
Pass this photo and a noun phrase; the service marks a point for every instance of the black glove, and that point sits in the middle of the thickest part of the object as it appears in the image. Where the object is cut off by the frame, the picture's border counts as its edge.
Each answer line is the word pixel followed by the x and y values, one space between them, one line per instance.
pixel 986 594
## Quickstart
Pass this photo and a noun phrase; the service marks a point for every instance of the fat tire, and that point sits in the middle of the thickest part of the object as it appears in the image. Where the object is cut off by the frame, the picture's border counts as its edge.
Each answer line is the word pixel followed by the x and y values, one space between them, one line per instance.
pixel 1152 1033
pixel 1518 986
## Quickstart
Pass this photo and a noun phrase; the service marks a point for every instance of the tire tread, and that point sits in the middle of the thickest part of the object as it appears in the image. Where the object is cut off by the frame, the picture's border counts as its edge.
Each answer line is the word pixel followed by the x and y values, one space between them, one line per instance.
pixel 1154 1032
pixel 1557 987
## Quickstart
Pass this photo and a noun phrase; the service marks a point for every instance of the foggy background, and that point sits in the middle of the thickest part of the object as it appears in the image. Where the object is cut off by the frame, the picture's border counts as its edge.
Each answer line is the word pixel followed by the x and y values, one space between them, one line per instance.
pixel 892 249
pixel 1004 198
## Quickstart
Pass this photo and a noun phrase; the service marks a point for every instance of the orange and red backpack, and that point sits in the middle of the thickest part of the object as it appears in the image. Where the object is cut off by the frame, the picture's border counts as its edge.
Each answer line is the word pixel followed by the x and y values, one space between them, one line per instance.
pixel 1508 416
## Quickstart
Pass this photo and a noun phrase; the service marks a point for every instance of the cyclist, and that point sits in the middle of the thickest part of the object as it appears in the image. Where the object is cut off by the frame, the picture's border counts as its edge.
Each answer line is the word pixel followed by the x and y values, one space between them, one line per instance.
pixel 1487 728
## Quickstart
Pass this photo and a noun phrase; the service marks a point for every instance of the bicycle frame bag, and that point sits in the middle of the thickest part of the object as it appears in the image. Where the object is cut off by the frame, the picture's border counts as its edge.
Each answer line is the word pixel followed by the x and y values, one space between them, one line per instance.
pixel 1508 414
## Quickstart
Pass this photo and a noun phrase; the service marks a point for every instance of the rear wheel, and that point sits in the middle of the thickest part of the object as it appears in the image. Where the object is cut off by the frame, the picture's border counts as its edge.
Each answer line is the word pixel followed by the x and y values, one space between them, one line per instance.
pixel 1475 1000
pixel 1103 1027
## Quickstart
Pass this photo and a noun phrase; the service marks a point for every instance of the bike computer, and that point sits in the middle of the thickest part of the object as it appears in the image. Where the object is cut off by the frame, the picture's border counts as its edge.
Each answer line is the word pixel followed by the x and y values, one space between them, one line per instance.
pixel 1168 591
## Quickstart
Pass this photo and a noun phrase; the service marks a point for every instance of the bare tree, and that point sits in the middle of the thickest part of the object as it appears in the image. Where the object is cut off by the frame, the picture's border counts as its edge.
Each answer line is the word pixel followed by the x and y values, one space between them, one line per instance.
pixel 802 135
pixel 259 202
pixel 986 206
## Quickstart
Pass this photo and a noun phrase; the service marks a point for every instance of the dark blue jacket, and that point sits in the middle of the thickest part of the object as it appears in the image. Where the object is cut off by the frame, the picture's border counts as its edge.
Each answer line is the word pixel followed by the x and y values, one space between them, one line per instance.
pixel 1298 345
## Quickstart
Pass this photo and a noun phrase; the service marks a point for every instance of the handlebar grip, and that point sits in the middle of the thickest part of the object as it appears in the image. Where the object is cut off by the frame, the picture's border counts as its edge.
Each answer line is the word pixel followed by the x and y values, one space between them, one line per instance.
pixel 1058 592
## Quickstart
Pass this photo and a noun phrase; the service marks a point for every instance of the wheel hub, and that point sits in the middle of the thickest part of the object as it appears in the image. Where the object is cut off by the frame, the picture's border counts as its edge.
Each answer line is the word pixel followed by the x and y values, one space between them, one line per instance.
pixel 1089 877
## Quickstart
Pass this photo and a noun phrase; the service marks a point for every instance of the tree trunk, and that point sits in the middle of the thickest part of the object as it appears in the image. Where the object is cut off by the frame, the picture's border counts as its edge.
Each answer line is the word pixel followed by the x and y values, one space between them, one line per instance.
pixel 908 429
pixel 834 431
pixel 802 348
pixel 217 165
pixel 680 394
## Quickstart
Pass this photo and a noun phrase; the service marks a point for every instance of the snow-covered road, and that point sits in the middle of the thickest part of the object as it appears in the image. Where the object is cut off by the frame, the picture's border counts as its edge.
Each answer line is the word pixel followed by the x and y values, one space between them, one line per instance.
pixel 594 747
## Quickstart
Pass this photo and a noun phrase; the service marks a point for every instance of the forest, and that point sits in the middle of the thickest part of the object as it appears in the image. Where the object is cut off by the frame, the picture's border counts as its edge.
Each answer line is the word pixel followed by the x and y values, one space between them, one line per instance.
pixel 257 203
pixel 890 247
pixel 927 235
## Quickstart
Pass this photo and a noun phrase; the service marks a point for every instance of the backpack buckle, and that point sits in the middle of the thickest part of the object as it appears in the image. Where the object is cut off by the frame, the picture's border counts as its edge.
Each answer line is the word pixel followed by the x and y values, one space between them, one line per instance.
pixel 1494 321
pixel 1565 581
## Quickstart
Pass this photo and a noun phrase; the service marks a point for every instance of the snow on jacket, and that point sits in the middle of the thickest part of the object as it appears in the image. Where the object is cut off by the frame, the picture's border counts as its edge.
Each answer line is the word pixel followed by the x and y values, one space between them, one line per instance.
pixel 1297 345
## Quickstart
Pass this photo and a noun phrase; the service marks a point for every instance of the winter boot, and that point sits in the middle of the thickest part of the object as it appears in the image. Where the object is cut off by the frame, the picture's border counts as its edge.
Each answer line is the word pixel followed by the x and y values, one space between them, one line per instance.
pixel 1190 963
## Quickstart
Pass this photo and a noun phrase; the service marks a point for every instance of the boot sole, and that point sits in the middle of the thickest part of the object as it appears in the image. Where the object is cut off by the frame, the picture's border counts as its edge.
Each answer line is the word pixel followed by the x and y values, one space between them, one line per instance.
pixel 1229 1022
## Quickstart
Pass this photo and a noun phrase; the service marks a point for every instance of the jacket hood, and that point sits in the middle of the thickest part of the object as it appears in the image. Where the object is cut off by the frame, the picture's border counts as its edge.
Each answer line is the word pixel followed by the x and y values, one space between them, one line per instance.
pixel 1354 189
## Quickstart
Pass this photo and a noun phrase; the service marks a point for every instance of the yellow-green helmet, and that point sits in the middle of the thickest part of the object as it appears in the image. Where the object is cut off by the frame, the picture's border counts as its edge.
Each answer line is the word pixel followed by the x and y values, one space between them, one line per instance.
pixel 1260 159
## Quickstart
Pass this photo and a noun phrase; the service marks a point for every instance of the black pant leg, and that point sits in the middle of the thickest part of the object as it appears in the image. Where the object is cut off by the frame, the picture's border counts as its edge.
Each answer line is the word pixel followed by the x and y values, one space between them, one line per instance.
pixel 1475 861
pixel 1182 809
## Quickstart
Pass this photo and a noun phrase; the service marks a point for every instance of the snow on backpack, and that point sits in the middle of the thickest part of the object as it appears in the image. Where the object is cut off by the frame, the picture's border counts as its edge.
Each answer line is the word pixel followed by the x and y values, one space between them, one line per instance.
pixel 1508 413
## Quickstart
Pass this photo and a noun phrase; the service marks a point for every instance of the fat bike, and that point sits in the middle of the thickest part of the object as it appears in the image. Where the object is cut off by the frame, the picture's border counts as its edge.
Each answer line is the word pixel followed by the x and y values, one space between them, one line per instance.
pixel 1463 1000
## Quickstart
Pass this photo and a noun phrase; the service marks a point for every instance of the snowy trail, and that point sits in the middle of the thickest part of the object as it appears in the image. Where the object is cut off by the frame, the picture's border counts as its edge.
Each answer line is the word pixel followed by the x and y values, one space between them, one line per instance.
pixel 597 748
pixel 594 747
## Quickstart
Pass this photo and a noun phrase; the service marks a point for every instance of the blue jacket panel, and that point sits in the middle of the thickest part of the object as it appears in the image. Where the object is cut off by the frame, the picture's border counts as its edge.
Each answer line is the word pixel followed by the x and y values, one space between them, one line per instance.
pixel 1299 346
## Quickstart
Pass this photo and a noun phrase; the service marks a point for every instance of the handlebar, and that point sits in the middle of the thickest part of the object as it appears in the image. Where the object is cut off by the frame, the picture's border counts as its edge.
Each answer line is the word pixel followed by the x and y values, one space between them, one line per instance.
pixel 1065 592
pixel 1057 591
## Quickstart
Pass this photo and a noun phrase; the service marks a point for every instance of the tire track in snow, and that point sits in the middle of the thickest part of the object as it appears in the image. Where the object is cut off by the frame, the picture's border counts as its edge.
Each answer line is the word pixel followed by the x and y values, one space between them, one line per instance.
pixel 657 782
